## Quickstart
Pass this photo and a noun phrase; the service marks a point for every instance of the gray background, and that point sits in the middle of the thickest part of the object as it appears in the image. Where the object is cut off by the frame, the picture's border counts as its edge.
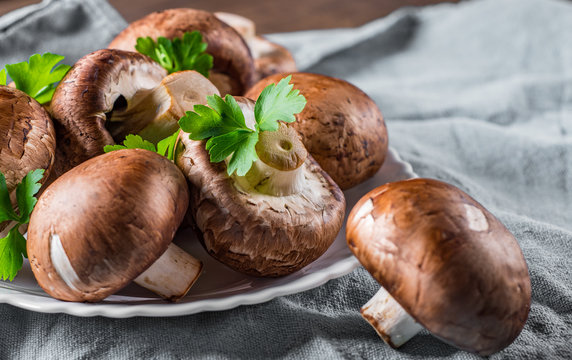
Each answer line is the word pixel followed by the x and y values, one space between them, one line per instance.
pixel 477 94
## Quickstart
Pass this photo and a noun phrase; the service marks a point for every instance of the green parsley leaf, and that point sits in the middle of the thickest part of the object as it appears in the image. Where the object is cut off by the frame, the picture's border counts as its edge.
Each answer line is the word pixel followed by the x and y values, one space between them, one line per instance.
pixel 186 53
pixel 13 246
pixel 6 211
pixel 166 147
pixel 278 102
pixel 223 124
pixel 25 193
pixel 3 77
pixel 12 251
pixel 38 77
pixel 132 142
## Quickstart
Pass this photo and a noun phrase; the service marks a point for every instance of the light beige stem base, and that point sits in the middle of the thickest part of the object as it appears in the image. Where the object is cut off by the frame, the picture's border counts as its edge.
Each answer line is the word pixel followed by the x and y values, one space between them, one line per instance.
pixel 393 324
pixel 172 275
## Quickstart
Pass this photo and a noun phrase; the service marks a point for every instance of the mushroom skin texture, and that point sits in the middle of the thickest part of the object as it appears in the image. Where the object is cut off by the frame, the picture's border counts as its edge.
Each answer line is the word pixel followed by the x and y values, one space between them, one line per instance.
pixel 103 223
pixel 109 94
pixel 446 260
pixel 254 232
pixel 27 140
pixel 340 126
pixel 233 67
pixel 269 58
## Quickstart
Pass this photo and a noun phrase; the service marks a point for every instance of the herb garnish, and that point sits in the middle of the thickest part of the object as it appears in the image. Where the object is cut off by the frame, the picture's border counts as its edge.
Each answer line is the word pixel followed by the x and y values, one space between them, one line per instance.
pixel 165 147
pixel 187 53
pixel 13 246
pixel 223 124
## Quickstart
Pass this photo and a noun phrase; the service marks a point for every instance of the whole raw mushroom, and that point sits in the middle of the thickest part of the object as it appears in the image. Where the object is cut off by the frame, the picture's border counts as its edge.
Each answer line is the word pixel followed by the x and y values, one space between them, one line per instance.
pixel 109 94
pixel 233 68
pixel 27 140
pixel 110 221
pixel 444 262
pixel 341 126
pixel 282 215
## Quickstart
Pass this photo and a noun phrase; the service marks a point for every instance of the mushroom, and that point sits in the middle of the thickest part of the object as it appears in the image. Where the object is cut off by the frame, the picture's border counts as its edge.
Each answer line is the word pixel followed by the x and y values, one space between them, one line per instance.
pixel 108 221
pixel 282 215
pixel 109 94
pixel 444 262
pixel 27 141
pixel 340 126
pixel 269 58
pixel 233 68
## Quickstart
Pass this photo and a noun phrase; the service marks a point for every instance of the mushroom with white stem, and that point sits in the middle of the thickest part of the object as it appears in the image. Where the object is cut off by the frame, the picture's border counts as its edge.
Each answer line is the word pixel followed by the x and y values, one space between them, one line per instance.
pixel 342 127
pixel 109 94
pixel 233 67
pixel 282 215
pixel 445 263
pixel 269 58
pixel 27 141
pixel 108 221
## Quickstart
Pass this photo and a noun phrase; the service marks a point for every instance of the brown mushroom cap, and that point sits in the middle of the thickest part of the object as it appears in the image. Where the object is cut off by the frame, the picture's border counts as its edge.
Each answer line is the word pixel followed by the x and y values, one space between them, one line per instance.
pixel 114 216
pixel 269 58
pixel 254 233
pixel 341 126
pixel 446 260
pixel 88 93
pixel 230 52
pixel 27 138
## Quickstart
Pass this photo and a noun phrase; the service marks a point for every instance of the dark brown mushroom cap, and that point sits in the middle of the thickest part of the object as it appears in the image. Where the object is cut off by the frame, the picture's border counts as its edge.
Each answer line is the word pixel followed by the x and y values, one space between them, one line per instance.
pixel 27 137
pixel 88 92
pixel 114 215
pixel 341 126
pixel 449 262
pixel 257 234
pixel 230 52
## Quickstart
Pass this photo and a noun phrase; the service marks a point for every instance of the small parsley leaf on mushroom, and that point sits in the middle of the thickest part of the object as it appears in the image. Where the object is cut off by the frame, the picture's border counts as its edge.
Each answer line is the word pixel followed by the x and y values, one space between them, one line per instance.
pixel 165 147
pixel 3 77
pixel 38 76
pixel 224 126
pixel 13 246
pixel 186 53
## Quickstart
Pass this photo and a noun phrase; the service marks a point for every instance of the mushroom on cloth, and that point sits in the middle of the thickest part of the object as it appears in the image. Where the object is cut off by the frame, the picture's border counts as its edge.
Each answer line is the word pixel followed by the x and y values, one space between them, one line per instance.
pixel 109 94
pixel 264 207
pixel 340 126
pixel 269 58
pixel 444 262
pixel 108 221
pixel 233 69
pixel 27 140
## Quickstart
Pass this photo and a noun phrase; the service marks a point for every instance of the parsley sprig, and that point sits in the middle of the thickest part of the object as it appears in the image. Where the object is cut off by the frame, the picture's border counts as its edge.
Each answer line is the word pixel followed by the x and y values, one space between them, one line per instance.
pixel 38 76
pixel 223 124
pixel 13 246
pixel 165 147
pixel 186 53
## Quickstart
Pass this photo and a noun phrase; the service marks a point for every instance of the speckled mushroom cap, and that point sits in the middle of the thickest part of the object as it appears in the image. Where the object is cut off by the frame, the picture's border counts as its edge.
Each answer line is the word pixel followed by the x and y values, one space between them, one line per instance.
pixel 86 97
pixel 101 224
pixel 231 54
pixel 341 126
pixel 255 233
pixel 449 262
pixel 27 138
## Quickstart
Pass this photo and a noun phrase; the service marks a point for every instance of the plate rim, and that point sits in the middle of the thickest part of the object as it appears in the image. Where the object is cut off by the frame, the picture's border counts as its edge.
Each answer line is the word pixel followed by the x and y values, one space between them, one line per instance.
pixel 335 270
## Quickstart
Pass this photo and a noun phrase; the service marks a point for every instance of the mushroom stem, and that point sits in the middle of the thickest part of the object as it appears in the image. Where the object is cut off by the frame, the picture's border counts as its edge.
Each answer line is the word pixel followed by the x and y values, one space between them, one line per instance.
pixel 6 230
pixel 171 275
pixel 392 323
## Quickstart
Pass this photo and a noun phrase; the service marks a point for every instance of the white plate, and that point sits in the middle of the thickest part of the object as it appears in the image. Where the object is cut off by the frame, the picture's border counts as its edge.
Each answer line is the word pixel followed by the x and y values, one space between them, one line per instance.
pixel 218 288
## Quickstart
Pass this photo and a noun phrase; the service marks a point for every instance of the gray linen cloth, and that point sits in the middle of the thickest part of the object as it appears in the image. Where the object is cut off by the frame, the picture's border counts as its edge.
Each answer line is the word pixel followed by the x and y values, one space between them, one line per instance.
pixel 478 94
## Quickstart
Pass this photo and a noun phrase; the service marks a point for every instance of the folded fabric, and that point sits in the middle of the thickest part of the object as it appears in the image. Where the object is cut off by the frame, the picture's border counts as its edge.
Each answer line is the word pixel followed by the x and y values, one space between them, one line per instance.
pixel 478 94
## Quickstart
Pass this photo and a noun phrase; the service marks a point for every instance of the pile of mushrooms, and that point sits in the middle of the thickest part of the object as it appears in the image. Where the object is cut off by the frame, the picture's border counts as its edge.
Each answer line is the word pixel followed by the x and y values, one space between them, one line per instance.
pixel 27 141
pixel 445 263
